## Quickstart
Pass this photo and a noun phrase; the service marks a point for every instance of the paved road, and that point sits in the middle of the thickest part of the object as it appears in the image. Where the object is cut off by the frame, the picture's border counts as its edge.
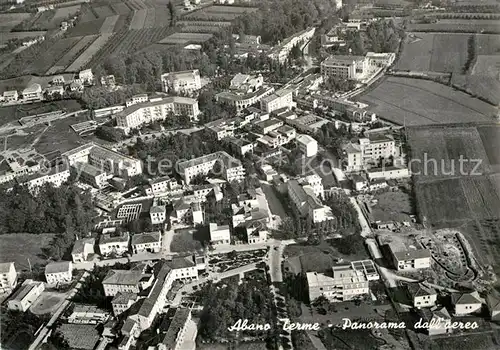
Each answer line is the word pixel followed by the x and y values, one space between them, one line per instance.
pixel 365 226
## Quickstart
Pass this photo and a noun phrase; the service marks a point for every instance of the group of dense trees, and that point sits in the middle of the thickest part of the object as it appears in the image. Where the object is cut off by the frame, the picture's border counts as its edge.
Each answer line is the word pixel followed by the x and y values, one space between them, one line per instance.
pixel 110 133
pixel 338 84
pixel 66 211
pixel 99 97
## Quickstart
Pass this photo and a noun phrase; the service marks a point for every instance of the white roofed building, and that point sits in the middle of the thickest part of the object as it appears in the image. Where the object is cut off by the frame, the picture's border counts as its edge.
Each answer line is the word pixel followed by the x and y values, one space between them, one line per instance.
pixel 182 82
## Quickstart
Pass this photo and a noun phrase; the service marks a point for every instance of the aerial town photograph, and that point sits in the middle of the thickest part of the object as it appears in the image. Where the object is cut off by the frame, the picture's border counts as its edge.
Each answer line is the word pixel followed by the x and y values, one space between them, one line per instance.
pixel 250 174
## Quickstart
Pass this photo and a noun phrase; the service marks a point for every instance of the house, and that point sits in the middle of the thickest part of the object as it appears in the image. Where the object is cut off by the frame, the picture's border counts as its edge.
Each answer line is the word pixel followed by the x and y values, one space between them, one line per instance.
pixel 181 82
pixel 88 314
pixel 32 93
pixel 117 245
pixel 359 183
pixel 163 185
pixel 436 319
pixel 158 213
pixel 108 81
pixel 86 77
pixel 10 96
pixel 421 295
pixel 146 242
pixel 279 99
pixel 82 248
pixel 57 90
pixel 466 303
pixel 136 99
pixel 129 281
pixel 76 86
pixel 122 301
pixel 307 145
pixel 197 213
pixel 493 304
pixel 59 272
pixel 404 259
pixel 8 277
pixel 184 268
pixel 58 80
pixel 219 234
pixel 25 296
pixel 177 336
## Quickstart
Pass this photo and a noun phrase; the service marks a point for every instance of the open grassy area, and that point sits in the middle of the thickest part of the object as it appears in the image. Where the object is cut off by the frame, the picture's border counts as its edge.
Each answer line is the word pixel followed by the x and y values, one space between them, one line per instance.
pixel 19 247
pixel 14 113
pixel 423 102
pixel 396 206
pixel 184 241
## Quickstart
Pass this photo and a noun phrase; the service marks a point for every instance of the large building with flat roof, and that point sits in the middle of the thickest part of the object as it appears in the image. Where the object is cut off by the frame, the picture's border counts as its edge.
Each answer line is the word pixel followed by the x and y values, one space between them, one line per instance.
pixel 187 81
pixel 344 67
pixel 231 168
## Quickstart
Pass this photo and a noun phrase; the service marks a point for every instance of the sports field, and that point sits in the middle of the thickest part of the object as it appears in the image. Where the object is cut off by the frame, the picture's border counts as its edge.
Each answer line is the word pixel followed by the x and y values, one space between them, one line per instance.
pixel 423 102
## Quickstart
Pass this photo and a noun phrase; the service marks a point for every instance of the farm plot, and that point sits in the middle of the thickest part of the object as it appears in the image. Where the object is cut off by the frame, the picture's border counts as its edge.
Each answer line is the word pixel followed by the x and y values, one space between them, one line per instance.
pixel 136 39
pixel 484 86
pixel 109 24
pixel 487 44
pixel 162 17
pixel 86 56
pixel 86 28
pixel 136 4
pixel 149 22
pixel 436 152
pixel 215 16
pixel 138 19
pixel 120 8
pixel 64 13
pixel 434 52
pixel 205 23
pixel 457 25
pixel 487 65
pixel 10 20
pixel 104 11
pixel 230 9
pixel 47 59
pixel 70 56
pixel 422 102
pixel 482 198
pixel 200 29
pixel 186 38
pixel 490 135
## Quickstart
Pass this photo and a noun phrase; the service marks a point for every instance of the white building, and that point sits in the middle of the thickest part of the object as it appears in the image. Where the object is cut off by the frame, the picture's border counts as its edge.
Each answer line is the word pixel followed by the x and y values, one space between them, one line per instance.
pixel 51 90
pixel 86 76
pixel 59 272
pixel 241 100
pixel 113 162
pixel 126 281
pixel 32 93
pixel 380 59
pixel 281 51
pixel 268 125
pixel 388 173
pixel 55 176
pixel 409 259
pixel 219 234
pixel 421 295
pixel 117 245
pixel 139 114
pixel 136 99
pixel 8 277
pixel 231 168
pixel 184 268
pixel 178 336
pixel 307 145
pixel 10 96
pixel 90 174
pixel 181 82
pixel 146 242
pixel 158 213
pixel 344 67
pixel 368 152
pixel 25 296
pixel 307 202
pixel 466 303
pixel 163 185
pixel 246 82
pixel 345 284
pixel 279 99
pixel 88 314
pixel 122 301
pixel 82 248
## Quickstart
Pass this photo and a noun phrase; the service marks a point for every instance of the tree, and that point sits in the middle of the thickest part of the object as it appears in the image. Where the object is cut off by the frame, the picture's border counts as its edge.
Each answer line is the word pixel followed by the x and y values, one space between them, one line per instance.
pixel 173 13
pixel 109 133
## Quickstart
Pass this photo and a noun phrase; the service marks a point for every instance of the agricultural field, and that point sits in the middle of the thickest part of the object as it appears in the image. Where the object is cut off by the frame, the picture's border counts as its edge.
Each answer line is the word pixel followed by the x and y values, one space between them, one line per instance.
pixel 109 24
pixel 484 86
pixel 86 56
pixel 4 37
pixel 135 40
pixel 72 54
pixel 31 249
pixel 490 135
pixel 186 38
pixel 434 52
pixel 222 13
pixel 86 28
pixel 422 102
pixel 456 25
pixel 10 20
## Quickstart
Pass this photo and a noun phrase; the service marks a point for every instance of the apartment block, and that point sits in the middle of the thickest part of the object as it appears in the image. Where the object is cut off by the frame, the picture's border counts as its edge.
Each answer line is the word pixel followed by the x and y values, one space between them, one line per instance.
pixel 126 281
pixel 82 249
pixel 409 259
pixel 91 175
pixel 345 67
pixel 368 152
pixel 55 176
pixel 304 198
pixel 59 272
pixel 280 99
pixel 136 99
pixel 307 145
pixel 219 234
pixel 242 100
pixel 231 168
pixel 186 82
pixel 8 277
pixel 117 245
pixel 281 51
pixel 146 242
pixel 25 296
pixel 177 336
pixel 139 114
pixel 113 162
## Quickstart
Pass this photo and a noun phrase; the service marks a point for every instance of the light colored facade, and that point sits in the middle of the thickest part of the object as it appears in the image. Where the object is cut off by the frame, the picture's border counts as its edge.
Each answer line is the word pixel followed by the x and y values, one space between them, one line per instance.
pixel 344 67
pixel 55 176
pixel 146 242
pixel 59 272
pixel 380 59
pixel 82 248
pixel 86 76
pixel 183 268
pixel 421 295
pixel 117 245
pixel 307 202
pixel 466 303
pixel 268 125
pixel 139 114
pixel 240 100
pixel 231 168
pixel 136 99
pixel 280 99
pixel 163 185
pixel 307 145
pixel 345 284
pixel 25 296
pixel 368 152
pixel 113 162
pixel 122 301
pixel 219 234
pixel 388 173
pixel 158 213
pixel 10 96
pixel 181 82
pixel 32 93
pixel 90 174
pixel 281 52
pixel 404 259
pixel 8 277
pixel 177 336
pixel 126 281
pixel 246 83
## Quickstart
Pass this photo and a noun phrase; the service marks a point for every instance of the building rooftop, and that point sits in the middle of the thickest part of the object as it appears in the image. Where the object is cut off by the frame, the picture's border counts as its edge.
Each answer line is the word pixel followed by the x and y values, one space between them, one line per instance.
pixel 123 298
pixel 107 239
pixel 33 88
pixel 124 277
pixel 159 102
pixel 84 308
pixel 185 74
pixel 79 245
pixel 178 322
pixel 378 138
pixel 222 156
pixel 80 336
pixel 305 139
pixel 147 237
pixel 181 262
pixel 345 59
pixel 150 301
pixel 419 289
pixel 21 292
pixel 409 254
pixel 465 298
pixel 234 96
pixel 268 122
pixel 89 169
pixel 352 148
pixel 57 267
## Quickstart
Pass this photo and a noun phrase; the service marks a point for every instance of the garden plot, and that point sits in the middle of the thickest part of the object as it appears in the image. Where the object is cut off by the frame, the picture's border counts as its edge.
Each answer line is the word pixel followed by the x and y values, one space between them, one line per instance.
pixel 186 38
pixel 86 56
pixel 70 56
pixel 109 24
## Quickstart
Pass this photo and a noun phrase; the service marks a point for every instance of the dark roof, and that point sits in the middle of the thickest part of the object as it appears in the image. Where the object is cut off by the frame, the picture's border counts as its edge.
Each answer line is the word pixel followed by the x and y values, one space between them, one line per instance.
pixel 23 291
pixel 56 267
pixel 181 262
pixel 178 322
pixel 124 277
pixel 147 237
pixel 150 301
pixel 418 289
pixel 123 297
pixel 464 298
pixel 80 244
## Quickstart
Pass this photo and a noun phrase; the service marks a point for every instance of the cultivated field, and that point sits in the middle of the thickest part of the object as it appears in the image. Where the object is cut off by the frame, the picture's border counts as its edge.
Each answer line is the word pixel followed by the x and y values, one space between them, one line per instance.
pixel 47 59
pixel 484 86
pixel 109 24
pixel 19 247
pixel 10 20
pixel 216 13
pixel 434 52
pixel 135 40
pixel 422 102
pixel 86 56
pixel 4 37
pixel 186 38
pixel 457 25
pixel 72 54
